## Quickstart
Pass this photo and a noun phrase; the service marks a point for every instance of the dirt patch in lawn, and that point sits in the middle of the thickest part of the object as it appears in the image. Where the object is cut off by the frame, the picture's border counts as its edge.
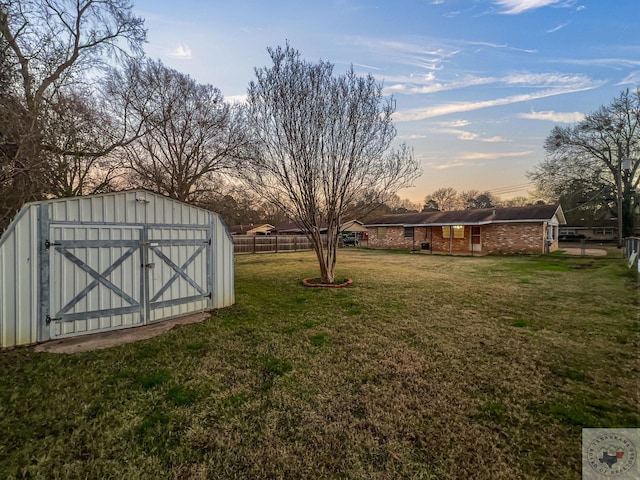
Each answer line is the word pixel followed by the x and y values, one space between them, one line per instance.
pixel 590 252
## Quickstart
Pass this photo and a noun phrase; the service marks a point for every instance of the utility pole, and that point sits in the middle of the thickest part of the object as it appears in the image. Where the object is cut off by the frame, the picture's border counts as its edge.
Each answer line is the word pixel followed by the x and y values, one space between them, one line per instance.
pixel 623 164
pixel 619 195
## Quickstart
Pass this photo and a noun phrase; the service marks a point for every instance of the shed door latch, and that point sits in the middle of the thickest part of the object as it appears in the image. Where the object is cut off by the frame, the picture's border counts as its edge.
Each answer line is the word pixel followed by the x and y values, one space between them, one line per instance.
pixel 48 244
pixel 49 319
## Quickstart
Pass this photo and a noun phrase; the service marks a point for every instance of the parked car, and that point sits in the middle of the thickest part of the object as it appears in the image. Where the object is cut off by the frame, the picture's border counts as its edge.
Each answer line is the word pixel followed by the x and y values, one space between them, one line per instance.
pixel 350 241
pixel 571 238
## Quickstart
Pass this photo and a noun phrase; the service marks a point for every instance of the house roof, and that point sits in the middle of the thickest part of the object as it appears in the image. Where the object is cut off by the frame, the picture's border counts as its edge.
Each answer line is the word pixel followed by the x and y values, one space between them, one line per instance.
pixel 264 228
pixel 350 226
pixel 601 223
pixel 250 229
pixel 287 227
pixel 533 213
pixel 353 226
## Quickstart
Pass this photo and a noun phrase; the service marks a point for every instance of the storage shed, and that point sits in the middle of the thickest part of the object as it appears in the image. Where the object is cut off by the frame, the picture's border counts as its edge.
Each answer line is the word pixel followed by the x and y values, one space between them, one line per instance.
pixel 74 266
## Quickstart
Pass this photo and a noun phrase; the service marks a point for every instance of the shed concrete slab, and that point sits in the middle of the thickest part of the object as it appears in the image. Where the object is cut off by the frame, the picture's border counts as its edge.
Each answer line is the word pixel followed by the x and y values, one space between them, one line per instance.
pixel 97 341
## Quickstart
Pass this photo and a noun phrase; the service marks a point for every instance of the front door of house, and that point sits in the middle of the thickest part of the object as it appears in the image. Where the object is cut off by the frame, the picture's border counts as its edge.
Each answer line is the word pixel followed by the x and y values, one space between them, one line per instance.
pixel 476 244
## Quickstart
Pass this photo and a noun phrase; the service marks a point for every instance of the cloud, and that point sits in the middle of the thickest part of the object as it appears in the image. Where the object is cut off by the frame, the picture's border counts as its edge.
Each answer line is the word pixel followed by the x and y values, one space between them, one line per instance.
pixel 556 117
pixel 601 62
pixel 494 156
pixel 514 7
pixel 494 139
pixel 416 114
pixel 456 123
pixel 632 78
pixel 500 45
pixel 181 51
pixel 445 166
pixel 559 27
pixel 367 67
pixel 397 88
pixel 546 79
pixel 465 135
pixel 236 98
pixel 414 136
pixel 475 159
pixel 433 87
pixel 407 53
pixel 420 85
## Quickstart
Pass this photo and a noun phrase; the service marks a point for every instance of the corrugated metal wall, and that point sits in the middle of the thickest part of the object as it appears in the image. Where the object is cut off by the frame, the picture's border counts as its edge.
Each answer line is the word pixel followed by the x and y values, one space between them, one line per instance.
pixel 19 279
pixel 109 261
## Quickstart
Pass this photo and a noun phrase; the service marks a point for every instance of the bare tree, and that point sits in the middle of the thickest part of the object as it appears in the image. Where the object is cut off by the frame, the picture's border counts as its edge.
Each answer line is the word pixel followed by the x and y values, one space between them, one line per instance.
pixel 323 141
pixel 520 201
pixel 79 139
pixel 401 205
pixel 190 133
pixel 50 44
pixel 475 199
pixel 602 151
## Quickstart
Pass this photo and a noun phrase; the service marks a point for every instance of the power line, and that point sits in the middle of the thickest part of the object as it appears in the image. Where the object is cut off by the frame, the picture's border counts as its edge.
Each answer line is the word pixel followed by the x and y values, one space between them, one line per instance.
pixel 511 188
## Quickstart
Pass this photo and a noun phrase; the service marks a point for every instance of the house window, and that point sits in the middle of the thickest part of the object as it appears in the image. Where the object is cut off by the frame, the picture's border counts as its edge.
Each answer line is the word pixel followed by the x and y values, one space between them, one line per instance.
pixel 458 231
pixel 567 231
pixel 382 232
pixel 408 232
pixel 603 231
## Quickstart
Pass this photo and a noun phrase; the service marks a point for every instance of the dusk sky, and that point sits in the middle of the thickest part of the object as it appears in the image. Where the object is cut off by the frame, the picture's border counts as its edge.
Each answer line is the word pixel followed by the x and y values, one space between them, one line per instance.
pixel 479 84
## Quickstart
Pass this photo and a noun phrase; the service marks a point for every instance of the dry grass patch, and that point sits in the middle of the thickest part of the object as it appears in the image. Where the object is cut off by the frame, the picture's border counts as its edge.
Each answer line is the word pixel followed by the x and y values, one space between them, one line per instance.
pixel 427 367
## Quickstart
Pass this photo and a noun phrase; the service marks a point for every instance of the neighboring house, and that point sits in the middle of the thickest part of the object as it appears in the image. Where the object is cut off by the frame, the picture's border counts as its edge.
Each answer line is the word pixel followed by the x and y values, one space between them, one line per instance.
pixel 532 229
pixel 353 227
pixel 288 228
pixel 594 231
pixel 251 229
pixel 291 228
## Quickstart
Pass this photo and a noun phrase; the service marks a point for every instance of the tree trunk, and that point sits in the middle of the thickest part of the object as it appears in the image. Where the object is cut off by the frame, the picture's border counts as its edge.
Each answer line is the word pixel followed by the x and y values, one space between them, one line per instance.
pixel 316 241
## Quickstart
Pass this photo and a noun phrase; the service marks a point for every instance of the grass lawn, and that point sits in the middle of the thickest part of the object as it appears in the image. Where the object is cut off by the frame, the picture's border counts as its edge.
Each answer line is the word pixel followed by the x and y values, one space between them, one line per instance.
pixel 430 367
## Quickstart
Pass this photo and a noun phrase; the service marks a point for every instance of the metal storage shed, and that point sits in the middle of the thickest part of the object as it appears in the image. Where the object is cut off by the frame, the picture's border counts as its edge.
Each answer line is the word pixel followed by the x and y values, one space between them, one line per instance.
pixel 81 265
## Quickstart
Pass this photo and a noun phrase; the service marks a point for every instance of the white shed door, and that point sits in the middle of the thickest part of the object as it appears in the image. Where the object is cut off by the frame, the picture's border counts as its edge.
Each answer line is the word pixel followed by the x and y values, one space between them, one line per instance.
pixel 96 280
pixel 178 274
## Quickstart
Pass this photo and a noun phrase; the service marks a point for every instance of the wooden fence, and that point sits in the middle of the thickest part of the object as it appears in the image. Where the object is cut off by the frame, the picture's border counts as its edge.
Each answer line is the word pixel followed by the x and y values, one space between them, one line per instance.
pixel 271 243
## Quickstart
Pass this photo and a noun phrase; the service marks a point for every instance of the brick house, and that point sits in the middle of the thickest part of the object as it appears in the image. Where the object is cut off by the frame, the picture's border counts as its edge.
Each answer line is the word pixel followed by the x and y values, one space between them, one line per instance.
pixel 603 230
pixel 532 229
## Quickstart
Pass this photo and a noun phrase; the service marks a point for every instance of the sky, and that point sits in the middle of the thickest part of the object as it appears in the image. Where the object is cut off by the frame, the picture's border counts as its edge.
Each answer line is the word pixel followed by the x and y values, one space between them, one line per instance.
pixel 478 84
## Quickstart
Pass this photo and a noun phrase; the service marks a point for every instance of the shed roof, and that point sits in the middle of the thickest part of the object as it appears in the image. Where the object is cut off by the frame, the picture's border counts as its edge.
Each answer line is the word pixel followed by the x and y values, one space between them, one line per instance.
pixel 533 213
